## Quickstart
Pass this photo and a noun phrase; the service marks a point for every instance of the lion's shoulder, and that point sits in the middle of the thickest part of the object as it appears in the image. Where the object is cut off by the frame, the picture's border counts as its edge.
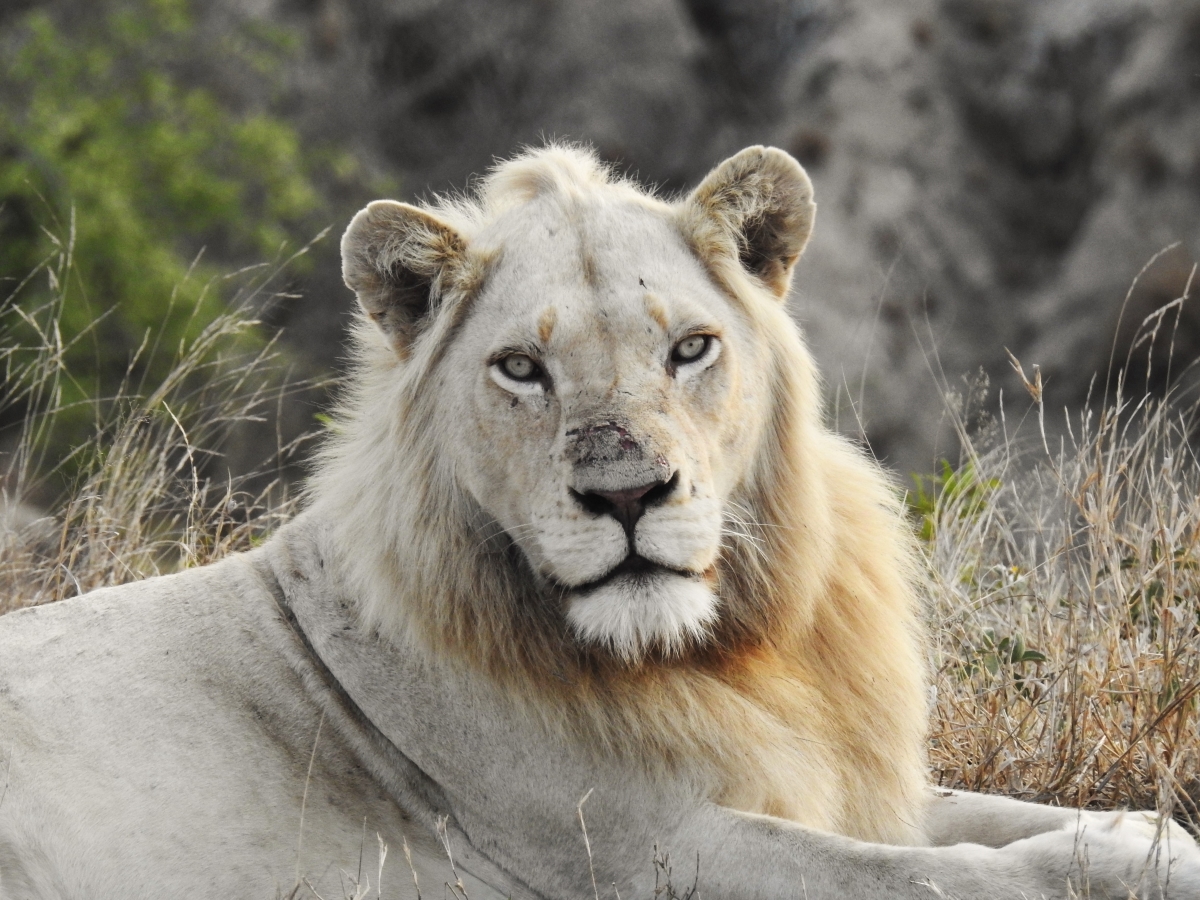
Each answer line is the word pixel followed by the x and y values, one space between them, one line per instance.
pixel 86 663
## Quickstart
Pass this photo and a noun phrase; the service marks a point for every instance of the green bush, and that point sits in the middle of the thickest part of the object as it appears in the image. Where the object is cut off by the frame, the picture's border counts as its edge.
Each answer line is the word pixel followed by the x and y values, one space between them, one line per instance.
pixel 107 147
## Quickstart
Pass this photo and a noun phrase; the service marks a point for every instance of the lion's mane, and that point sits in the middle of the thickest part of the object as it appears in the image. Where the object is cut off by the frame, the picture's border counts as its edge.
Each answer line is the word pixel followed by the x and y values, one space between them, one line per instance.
pixel 819 630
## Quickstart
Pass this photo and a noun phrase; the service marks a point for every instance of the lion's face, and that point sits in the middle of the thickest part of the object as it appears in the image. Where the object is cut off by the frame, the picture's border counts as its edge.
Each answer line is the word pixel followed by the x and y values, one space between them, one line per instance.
pixel 600 389
pixel 605 404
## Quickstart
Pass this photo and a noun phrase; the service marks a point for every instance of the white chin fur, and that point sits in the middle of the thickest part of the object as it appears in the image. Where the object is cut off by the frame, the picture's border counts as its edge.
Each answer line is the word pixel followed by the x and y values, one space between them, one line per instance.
pixel 630 614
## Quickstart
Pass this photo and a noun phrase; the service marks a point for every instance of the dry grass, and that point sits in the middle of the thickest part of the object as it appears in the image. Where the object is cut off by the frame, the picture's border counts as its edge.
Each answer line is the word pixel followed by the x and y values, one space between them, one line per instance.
pixel 1065 586
pixel 147 493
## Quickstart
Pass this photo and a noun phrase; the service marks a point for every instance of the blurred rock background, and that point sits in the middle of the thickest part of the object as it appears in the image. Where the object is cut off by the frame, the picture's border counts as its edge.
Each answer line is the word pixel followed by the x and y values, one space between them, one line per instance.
pixel 990 174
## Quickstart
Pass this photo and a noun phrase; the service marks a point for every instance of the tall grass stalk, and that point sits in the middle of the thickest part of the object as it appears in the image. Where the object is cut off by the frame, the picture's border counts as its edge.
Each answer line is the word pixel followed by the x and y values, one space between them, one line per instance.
pixel 147 493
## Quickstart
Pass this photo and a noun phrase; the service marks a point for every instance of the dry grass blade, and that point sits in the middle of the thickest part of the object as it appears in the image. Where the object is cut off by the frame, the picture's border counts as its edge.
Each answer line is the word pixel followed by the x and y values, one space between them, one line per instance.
pixel 587 844
pixel 457 889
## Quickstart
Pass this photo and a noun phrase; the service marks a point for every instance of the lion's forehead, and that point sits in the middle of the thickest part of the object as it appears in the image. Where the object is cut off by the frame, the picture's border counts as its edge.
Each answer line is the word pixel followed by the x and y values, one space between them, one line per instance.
pixel 595 274
pixel 554 224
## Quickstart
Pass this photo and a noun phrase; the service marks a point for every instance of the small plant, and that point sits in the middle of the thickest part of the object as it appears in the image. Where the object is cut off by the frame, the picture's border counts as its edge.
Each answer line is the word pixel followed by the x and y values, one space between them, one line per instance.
pixel 992 654
pixel 1005 657
pixel 958 492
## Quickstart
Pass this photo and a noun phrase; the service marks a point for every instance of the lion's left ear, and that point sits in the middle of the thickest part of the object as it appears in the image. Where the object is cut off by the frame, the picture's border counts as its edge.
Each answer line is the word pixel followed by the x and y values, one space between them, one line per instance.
pixel 759 206
pixel 400 261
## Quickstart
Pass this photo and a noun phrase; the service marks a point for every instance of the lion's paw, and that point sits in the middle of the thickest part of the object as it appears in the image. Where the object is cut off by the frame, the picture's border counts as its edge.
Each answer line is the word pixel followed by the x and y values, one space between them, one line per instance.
pixel 1113 856
pixel 1147 825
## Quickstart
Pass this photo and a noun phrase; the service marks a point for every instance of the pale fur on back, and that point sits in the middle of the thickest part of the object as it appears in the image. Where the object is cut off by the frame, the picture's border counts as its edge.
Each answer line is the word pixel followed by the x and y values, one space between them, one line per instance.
pixel 806 701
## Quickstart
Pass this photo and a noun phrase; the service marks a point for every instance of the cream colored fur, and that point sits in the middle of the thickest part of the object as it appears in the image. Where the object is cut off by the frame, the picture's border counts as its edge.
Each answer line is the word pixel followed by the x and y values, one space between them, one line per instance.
pixel 644 572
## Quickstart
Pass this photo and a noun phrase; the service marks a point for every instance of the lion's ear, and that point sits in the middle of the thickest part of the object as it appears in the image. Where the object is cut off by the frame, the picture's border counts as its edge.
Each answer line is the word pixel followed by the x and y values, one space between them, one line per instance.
pixel 759 205
pixel 400 261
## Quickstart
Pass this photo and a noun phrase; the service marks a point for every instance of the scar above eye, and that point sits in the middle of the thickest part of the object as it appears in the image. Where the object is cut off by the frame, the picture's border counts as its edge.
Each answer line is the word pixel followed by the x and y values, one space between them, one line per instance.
pixel 656 311
pixel 546 323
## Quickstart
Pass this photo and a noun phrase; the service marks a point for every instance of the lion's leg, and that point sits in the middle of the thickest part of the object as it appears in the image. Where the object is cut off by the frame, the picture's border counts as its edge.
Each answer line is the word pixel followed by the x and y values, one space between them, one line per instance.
pixel 759 858
pixel 955 817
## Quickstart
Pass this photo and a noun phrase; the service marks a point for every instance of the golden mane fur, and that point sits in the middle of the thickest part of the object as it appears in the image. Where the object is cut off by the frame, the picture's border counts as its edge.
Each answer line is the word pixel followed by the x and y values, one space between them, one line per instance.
pixel 814 675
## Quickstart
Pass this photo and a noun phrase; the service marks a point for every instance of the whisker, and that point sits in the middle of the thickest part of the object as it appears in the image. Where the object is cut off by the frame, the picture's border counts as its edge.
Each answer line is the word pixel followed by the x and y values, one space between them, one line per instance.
pixel 756 544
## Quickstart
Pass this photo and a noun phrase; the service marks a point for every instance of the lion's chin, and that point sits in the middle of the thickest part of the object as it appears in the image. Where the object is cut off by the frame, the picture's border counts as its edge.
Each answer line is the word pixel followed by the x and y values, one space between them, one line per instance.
pixel 631 614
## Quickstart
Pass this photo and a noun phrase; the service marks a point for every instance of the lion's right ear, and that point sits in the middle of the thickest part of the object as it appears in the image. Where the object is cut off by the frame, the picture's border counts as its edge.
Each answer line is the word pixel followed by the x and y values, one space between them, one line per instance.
pixel 757 208
pixel 400 261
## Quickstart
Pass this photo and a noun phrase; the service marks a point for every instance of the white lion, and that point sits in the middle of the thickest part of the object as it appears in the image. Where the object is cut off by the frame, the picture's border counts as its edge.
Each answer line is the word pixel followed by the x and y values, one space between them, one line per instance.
pixel 581 532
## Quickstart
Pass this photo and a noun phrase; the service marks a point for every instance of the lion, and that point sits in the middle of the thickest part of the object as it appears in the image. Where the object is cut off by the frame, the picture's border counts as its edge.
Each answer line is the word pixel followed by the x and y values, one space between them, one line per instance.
pixel 579 533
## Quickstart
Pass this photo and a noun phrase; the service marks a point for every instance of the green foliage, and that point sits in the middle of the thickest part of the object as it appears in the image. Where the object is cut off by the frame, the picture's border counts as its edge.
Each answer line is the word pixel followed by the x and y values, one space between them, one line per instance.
pixel 1008 655
pixel 961 492
pixel 1149 598
pixel 994 653
pixel 105 146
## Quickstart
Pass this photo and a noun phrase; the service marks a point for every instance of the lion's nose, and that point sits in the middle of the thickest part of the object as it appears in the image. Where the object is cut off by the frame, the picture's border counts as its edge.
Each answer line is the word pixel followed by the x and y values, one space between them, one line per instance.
pixel 627 505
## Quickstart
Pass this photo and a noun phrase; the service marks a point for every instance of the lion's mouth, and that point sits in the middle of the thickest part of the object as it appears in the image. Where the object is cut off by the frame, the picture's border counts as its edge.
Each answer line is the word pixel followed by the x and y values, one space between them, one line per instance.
pixel 638 569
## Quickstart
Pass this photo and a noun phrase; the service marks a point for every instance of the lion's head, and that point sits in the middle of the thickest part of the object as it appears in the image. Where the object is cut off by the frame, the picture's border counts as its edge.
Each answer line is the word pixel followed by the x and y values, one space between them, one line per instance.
pixel 600 398
pixel 583 453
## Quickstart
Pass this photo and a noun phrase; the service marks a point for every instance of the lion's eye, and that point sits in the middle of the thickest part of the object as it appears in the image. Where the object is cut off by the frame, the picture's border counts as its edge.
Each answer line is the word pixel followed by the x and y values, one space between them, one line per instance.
pixel 690 348
pixel 520 367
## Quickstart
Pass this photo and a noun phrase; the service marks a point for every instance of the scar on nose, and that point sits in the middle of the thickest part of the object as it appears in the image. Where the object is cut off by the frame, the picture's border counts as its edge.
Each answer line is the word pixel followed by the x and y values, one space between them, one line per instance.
pixel 546 323
pixel 655 308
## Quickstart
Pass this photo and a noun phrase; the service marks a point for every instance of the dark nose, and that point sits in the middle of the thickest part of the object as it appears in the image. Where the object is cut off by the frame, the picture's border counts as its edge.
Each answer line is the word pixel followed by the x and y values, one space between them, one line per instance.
pixel 627 505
